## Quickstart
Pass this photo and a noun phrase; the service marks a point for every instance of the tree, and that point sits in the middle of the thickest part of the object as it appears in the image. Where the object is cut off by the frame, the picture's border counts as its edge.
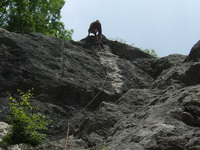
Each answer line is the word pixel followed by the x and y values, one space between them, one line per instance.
pixel 41 16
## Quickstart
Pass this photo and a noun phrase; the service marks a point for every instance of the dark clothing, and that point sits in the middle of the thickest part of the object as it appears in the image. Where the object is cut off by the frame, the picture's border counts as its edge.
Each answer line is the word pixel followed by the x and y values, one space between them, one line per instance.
pixel 95 27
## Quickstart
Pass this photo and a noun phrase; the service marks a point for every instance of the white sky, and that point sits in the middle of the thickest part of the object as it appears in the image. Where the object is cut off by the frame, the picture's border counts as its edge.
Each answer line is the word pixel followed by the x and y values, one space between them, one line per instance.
pixel 168 26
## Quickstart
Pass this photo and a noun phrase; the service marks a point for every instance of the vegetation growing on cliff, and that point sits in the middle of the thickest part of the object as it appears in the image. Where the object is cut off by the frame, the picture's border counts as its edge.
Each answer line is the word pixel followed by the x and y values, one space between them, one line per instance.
pixel 25 120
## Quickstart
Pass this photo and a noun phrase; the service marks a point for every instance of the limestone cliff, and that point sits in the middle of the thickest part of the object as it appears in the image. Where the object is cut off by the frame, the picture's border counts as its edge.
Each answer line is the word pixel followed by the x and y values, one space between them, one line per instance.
pixel 138 102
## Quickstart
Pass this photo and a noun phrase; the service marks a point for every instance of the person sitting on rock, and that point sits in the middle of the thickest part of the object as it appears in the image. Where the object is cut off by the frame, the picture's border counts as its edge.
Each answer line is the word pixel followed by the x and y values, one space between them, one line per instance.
pixel 94 28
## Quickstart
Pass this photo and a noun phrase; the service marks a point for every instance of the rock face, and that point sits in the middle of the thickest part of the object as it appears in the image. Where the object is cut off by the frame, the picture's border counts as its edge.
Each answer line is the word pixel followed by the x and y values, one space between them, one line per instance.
pixel 194 54
pixel 5 129
pixel 58 70
pixel 111 97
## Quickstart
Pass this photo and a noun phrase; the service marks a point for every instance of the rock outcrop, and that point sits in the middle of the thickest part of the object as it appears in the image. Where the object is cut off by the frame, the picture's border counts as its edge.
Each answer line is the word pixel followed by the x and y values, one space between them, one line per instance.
pixel 194 54
pixel 111 97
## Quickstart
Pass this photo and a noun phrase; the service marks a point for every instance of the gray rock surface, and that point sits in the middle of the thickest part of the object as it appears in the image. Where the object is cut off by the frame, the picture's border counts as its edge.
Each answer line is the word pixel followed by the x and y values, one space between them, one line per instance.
pixel 5 129
pixel 59 70
pixel 194 54
pixel 138 102
pixel 19 146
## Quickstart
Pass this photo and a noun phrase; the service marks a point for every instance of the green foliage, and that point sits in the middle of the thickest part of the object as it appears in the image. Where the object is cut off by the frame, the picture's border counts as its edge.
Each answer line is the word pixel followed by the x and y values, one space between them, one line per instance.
pixel 101 147
pixel 151 52
pixel 41 16
pixel 25 121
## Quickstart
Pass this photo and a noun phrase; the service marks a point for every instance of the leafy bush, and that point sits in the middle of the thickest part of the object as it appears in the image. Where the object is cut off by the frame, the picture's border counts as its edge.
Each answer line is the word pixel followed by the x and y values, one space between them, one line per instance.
pixel 151 52
pixel 25 121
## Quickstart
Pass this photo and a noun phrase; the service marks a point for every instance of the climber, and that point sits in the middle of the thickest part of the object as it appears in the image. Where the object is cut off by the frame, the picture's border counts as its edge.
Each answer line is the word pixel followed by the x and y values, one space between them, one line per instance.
pixel 94 28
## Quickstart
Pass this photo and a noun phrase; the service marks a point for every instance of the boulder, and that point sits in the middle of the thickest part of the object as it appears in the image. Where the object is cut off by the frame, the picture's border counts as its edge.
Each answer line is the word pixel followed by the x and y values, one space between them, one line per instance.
pixel 5 130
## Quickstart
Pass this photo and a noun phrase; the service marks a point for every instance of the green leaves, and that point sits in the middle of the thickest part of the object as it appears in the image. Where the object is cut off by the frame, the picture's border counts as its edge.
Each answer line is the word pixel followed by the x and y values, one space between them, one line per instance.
pixel 26 122
pixel 151 52
pixel 42 16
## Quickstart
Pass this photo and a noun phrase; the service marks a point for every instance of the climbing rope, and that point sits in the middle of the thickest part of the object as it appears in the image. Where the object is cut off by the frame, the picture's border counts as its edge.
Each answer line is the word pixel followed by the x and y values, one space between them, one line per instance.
pixel 67 137
pixel 100 90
